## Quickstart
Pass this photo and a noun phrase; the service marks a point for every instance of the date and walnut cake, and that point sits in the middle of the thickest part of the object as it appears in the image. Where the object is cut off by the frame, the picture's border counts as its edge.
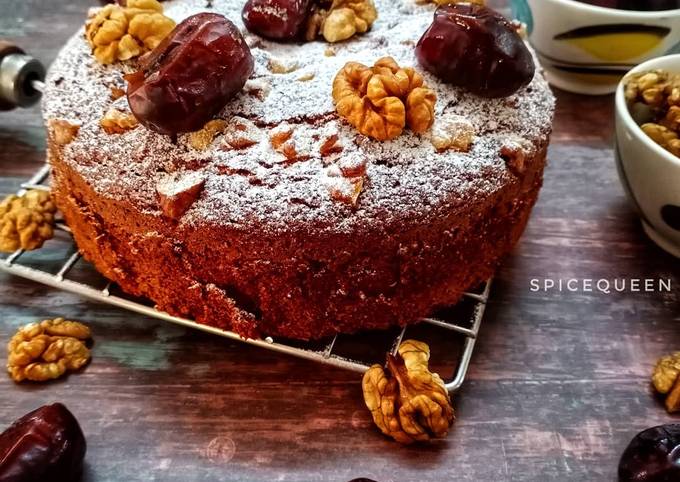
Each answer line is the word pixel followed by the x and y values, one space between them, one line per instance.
pixel 279 217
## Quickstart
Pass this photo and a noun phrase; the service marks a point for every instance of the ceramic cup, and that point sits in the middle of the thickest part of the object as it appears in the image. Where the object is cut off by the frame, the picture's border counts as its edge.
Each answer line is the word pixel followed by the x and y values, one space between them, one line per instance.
pixel 587 49
pixel 649 173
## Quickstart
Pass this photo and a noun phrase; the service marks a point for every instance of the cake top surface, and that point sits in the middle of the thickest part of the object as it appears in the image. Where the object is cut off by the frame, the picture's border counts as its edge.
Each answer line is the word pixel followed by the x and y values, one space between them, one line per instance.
pixel 406 178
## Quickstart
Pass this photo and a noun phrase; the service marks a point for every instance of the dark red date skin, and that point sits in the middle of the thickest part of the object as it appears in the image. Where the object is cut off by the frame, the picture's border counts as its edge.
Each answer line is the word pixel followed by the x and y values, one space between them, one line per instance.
pixel 472 46
pixel 46 445
pixel 191 75
pixel 652 456
pixel 276 19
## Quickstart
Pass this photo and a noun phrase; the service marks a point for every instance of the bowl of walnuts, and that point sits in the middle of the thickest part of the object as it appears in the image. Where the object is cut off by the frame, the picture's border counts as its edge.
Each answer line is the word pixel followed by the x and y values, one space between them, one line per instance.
pixel 648 146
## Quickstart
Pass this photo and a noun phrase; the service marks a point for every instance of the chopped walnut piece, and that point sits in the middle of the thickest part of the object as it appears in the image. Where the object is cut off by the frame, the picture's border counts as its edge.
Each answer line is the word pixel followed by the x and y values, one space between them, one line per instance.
pixel 26 221
pixel 63 131
pixel 259 88
pixel 306 77
pixel 352 166
pixel 116 92
pixel 117 32
pixel 346 190
pixel 666 380
pixel 200 140
pixel 279 137
pixel 408 402
pixel 345 185
pixel 178 191
pixel 330 146
pixel 242 142
pixel 650 88
pixel 117 122
pixel 663 136
pixel 376 100
pixel 453 132
pixel 659 134
pixel 277 66
pixel 46 350
pixel 672 118
pixel 241 133
pixel 514 152
pixel 329 52
pixel 289 150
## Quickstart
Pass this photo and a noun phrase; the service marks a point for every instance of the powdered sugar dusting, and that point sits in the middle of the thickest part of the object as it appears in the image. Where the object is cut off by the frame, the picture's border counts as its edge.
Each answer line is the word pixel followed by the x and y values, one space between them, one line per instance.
pixel 406 179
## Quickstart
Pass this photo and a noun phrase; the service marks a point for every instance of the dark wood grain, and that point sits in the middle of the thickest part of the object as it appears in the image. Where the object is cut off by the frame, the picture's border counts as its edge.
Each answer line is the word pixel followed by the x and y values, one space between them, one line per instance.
pixel 557 386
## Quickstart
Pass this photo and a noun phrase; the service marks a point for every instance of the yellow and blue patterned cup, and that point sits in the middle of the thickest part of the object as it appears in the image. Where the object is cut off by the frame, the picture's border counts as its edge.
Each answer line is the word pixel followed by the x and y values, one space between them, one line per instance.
pixel 587 49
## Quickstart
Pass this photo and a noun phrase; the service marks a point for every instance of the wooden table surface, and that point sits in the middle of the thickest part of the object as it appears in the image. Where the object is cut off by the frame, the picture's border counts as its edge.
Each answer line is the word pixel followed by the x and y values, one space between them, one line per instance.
pixel 558 385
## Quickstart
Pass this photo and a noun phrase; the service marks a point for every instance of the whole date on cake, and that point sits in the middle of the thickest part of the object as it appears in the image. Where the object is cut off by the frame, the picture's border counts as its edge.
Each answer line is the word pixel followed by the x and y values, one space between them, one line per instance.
pixel 191 75
pixel 276 19
pixel 45 445
pixel 475 47
pixel 334 20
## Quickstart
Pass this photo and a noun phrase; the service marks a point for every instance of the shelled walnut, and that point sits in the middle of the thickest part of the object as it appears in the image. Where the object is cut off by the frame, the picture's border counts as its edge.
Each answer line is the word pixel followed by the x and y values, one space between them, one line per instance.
pixel 453 132
pixel 345 179
pixel 118 32
pixel 345 189
pixel 46 350
pixel 117 122
pixel 341 20
pixel 515 151
pixel 241 133
pixel 176 192
pixel 659 92
pixel 666 380
pixel 63 131
pixel 280 136
pixel 381 100
pixel 331 145
pixel 26 221
pixel 201 139
pixel 408 402
pixel 277 66
pixel 662 135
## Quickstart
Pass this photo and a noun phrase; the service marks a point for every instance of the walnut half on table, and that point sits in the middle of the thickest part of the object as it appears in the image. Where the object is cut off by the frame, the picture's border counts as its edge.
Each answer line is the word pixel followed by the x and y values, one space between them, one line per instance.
pixel 666 380
pixel 408 402
pixel 47 350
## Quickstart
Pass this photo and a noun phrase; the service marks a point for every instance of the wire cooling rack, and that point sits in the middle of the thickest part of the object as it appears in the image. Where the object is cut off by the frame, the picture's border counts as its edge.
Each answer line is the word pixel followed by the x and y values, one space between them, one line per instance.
pixel 458 324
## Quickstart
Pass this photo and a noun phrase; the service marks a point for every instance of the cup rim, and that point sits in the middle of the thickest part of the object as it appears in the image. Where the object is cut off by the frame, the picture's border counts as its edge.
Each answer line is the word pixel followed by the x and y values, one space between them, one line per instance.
pixel 617 12
pixel 624 113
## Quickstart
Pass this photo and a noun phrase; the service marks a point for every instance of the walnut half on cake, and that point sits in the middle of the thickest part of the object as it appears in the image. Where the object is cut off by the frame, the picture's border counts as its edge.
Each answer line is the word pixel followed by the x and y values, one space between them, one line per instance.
pixel 279 217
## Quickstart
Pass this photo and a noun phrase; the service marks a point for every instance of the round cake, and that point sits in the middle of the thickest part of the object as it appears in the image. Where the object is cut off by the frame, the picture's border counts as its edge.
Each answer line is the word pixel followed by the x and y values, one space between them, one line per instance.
pixel 285 220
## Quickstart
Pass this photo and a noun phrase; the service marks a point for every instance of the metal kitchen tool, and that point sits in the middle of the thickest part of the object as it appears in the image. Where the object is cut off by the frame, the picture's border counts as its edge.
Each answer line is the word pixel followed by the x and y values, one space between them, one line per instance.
pixel 459 323
pixel 21 77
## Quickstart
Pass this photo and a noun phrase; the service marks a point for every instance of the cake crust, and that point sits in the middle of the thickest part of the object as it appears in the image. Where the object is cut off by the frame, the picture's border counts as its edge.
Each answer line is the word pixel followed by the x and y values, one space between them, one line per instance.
pixel 264 249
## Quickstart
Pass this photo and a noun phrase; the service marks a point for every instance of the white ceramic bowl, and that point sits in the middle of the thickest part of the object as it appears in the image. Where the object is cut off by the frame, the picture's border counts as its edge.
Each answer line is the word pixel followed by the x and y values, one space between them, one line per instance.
pixel 649 173
pixel 586 49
